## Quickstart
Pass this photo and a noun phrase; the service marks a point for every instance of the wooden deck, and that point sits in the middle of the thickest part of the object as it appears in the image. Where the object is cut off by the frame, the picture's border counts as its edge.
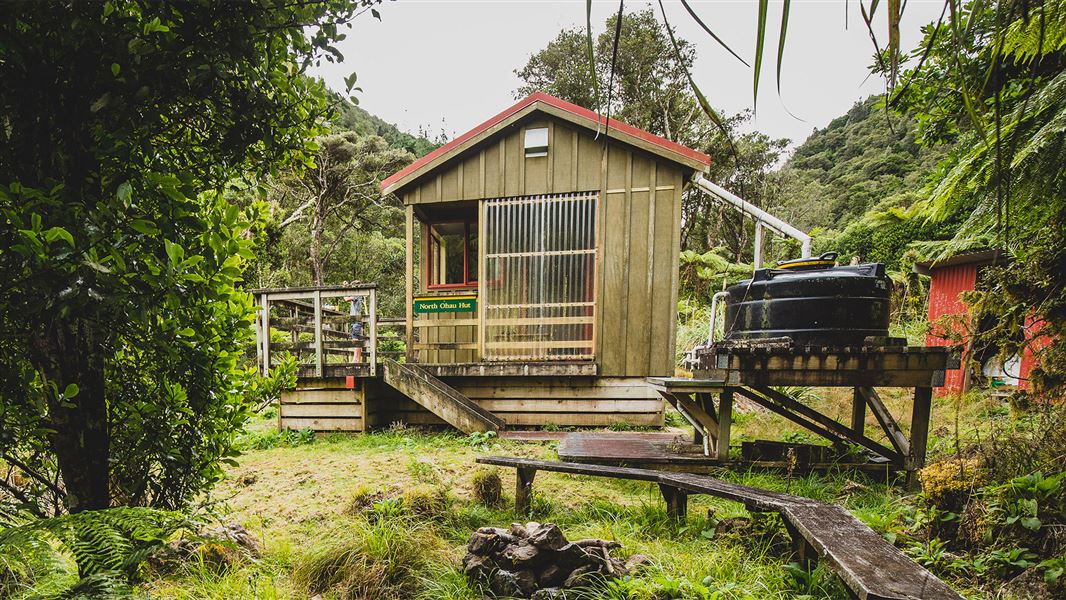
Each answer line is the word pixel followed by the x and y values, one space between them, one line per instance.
pixel 870 567
pixel 656 450
pixel 675 451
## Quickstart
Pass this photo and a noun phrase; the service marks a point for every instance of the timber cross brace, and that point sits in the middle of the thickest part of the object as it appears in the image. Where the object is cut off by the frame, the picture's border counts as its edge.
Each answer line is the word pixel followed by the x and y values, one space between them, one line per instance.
pixel 756 373
pixel 712 424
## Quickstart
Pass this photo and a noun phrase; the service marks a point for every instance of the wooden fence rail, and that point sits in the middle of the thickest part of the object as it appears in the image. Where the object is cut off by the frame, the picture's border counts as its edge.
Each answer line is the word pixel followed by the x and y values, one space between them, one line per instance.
pixel 320 325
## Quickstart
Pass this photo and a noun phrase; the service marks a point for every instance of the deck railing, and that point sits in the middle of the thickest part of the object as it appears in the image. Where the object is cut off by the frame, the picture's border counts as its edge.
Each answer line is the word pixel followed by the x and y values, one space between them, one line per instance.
pixel 331 330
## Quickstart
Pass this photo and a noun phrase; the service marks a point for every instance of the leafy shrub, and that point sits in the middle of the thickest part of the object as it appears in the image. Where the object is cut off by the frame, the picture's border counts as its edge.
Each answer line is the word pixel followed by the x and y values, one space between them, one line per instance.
pixel 423 470
pixel 363 498
pixel 947 484
pixel 92 553
pixel 287 438
pixel 1029 501
pixel 481 439
pixel 488 488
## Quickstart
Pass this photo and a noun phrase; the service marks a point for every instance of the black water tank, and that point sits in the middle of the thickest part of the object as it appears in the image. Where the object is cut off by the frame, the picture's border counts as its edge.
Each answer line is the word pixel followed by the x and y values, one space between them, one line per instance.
pixel 812 302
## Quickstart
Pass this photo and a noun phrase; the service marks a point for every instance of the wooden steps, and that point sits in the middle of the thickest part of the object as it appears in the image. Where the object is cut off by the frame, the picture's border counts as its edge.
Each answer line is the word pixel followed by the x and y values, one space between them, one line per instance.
pixel 870 567
pixel 439 398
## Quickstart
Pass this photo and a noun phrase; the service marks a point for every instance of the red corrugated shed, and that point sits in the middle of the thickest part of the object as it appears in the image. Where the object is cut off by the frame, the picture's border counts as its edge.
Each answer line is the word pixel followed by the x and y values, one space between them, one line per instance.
pixel 944 288
pixel 1036 344
pixel 950 278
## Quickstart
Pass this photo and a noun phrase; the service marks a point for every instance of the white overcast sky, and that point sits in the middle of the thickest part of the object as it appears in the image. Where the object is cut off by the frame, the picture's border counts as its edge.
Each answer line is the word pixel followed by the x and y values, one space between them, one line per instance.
pixel 447 65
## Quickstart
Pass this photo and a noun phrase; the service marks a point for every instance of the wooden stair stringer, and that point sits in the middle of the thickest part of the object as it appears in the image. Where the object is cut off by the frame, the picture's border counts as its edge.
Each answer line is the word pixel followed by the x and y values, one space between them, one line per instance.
pixel 439 398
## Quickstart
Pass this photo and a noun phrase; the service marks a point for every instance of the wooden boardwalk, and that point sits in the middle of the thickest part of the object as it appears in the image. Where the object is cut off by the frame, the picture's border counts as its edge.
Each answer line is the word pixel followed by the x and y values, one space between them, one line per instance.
pixel 870 567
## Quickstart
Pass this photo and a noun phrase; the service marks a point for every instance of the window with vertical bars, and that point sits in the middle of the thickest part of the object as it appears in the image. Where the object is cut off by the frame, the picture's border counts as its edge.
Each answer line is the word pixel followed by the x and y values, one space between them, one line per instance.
pixel 540 277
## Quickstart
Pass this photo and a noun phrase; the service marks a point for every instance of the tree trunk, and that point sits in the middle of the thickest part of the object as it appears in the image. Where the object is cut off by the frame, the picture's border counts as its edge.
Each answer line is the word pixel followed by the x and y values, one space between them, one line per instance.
pixel 68 354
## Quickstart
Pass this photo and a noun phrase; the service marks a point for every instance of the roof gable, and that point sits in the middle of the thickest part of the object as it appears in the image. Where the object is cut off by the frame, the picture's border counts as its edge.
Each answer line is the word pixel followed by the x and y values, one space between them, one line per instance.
pixel 548 104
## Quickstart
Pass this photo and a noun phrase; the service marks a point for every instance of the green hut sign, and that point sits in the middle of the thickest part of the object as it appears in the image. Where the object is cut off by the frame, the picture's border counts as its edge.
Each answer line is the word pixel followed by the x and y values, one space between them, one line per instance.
pixel 445 304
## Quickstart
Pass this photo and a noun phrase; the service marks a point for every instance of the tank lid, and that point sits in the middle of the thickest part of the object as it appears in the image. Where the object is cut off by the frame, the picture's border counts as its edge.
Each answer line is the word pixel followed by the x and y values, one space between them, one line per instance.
pixel 826 261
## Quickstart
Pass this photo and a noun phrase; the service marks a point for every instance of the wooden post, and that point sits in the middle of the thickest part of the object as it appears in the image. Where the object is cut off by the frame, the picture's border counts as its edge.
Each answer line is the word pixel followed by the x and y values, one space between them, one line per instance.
pixel 481 285
pixel 266 334
pixel 373 310
pixel 523 489
pixel 805 553
pixel 259 341
pixel 676 501
pixel 920 412
pixel 858 411
pixel 409 274
pixel 318 333
pixel 725 422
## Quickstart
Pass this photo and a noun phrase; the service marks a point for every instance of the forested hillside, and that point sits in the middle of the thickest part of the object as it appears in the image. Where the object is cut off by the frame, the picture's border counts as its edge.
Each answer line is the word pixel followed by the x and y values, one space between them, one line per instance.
pixel 854 182
pixel 855 162
pixel 350 117
pixel 329 225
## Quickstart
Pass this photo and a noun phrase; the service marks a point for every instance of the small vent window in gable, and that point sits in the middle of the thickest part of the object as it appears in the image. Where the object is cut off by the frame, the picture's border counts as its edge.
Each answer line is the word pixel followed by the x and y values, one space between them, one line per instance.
pixel 536 142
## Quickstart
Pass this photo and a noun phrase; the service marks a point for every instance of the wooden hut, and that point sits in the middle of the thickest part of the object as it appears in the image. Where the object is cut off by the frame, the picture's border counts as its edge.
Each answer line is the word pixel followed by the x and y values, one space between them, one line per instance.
pixel 542 274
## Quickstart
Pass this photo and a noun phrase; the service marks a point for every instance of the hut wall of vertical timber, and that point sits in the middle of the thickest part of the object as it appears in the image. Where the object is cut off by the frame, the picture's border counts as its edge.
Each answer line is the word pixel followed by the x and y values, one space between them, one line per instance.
pixel 565 278
pixel 638 222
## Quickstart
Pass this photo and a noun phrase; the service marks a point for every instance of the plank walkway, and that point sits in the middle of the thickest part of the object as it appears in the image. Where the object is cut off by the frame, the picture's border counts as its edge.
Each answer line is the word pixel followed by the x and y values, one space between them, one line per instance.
pixel 870 567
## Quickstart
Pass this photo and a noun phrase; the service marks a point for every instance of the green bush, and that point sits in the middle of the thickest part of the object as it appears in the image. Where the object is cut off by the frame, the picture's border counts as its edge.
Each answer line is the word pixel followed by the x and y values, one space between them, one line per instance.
pixel 265 440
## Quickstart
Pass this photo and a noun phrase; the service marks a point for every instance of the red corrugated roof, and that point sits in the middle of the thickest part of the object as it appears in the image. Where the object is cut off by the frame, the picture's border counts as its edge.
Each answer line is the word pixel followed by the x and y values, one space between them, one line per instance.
pixel 592 117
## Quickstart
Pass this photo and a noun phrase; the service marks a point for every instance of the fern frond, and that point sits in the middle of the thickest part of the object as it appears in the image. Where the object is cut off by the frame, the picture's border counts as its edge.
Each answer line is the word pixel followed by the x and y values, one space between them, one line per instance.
pixel 91 554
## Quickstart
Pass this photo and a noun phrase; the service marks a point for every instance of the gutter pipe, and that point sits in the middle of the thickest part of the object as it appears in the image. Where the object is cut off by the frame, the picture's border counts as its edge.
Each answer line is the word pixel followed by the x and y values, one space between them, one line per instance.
pixel 761 216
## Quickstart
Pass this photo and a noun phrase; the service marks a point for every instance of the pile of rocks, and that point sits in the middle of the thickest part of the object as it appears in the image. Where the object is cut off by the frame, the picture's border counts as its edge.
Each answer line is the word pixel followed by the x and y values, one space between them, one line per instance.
pixel 536 561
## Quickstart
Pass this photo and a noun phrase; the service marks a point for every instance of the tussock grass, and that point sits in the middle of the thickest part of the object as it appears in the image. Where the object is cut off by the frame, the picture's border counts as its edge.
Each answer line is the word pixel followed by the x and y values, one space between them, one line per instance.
pixel 363 559
pixel 488 487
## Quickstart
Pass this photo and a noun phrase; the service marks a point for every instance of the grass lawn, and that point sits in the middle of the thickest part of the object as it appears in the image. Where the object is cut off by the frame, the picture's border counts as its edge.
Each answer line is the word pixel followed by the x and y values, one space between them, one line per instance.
pixel 297 499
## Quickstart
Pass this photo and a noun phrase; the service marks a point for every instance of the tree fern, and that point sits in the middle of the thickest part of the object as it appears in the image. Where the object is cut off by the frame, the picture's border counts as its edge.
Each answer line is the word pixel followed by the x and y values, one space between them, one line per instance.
pixel 92 554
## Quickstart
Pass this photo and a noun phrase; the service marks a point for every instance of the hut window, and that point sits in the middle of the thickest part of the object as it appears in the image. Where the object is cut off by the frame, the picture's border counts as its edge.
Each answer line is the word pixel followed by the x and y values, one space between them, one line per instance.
pixel 537 142
pixel 452 252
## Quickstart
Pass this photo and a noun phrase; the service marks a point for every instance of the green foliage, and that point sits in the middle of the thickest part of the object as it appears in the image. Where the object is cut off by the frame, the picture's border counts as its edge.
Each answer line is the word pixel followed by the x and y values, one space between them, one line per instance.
pixel 329 223
pixel 1006 114
pixel 481 439
pixel 858 161
pixel 89 554
pixel 350 117
pixel 1030 500
pixel 123 244
pixel 701 273
pixel 265 391
pixel 286 438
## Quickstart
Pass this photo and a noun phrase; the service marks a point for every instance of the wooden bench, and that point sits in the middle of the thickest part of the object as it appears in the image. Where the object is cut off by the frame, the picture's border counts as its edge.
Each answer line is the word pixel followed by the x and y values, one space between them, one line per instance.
pixel 870 567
